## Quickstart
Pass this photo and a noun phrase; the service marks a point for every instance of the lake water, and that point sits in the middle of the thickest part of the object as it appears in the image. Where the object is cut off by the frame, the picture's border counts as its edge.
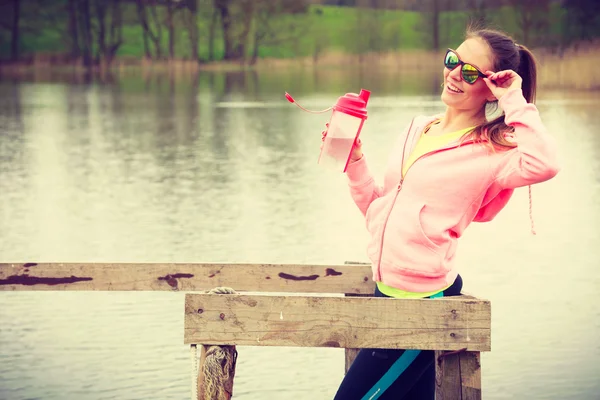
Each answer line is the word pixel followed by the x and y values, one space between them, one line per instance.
pixel 220 168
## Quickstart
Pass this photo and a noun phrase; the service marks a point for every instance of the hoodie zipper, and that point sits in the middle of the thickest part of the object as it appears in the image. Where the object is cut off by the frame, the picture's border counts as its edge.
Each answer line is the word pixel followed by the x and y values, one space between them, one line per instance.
pixel 399 188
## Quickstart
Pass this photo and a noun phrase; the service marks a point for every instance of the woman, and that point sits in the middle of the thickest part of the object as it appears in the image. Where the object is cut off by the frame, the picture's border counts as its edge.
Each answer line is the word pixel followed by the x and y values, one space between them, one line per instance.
pixel 445 172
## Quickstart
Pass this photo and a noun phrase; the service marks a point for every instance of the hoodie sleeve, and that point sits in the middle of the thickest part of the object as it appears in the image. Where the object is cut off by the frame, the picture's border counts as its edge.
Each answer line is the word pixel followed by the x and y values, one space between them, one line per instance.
pixel 534 159
pixel 363 188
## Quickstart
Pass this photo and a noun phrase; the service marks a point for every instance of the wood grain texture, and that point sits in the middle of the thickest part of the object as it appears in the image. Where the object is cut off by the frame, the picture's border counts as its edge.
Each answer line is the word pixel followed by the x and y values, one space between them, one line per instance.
pixel 318 321
pixel 187 277
pixel 350 355
pixel 470 372
pixel 447 377
pixel 458 376
pixel 200 381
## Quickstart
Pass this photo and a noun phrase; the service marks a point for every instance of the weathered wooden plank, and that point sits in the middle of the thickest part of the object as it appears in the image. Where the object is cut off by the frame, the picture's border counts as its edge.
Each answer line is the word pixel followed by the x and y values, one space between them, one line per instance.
pixel 447 376
pixel 200 380
pixel 187 277
pixel 350 356
pixel 470 371
pixel 458 375
pixel 317 321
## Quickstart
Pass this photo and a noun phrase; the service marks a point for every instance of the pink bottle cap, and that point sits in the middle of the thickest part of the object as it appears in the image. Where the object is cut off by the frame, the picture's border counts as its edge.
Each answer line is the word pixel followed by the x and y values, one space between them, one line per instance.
pixel 354 104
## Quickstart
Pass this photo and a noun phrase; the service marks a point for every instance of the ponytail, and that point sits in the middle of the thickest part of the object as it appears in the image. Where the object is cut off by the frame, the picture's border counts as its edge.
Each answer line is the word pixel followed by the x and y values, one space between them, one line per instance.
pixel 527 70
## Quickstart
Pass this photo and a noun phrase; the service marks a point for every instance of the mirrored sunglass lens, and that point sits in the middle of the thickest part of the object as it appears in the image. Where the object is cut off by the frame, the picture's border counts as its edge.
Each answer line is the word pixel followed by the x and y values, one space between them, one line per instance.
pixel 451 60
pixel 469 73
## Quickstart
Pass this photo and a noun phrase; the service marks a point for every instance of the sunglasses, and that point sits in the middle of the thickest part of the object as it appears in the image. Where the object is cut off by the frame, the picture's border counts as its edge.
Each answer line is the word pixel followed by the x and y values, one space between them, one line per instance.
pixel 468 72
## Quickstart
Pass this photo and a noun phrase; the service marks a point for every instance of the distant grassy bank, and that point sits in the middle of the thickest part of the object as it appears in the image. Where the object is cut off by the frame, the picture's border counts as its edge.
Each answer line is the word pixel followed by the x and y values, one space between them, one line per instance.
pixel 322 29
pixel 323 37
pixel 574 68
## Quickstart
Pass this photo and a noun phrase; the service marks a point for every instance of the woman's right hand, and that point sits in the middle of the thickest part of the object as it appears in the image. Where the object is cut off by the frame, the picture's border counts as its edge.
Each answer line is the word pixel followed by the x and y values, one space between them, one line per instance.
pixel 357 153
pixel 356 150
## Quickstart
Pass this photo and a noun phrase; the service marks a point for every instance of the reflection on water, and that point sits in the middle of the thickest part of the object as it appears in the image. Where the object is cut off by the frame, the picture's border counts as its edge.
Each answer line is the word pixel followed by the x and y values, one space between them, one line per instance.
pixel 219 167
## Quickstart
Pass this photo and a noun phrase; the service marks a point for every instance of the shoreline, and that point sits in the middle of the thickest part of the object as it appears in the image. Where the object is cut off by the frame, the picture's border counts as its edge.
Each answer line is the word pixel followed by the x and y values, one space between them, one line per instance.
pixel 326 59
pixel 555 69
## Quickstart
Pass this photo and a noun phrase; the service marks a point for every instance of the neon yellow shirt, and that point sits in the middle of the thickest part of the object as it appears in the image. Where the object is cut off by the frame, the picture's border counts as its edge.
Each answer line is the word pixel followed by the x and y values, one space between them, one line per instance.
pixel 426 144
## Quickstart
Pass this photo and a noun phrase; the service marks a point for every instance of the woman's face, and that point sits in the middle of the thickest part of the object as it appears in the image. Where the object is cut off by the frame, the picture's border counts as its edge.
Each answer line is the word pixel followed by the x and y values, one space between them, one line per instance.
pixel 458 93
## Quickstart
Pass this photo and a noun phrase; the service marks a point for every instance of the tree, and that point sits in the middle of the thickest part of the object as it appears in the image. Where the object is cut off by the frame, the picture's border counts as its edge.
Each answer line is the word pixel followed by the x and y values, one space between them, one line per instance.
pixel 477 11
pixel 435 24
pixel 211 34
pixel 429 26
pixel 191 21
pixel 532 17
pixel 14 47
pixel 73 32
pixel 23 19
pixel 366 35
pixel 108 43
pixel 147 31
pixel 237 17
pixel 248 8
pixel 189 9
pixel 582 19
pixel 348 3
pixel 270 29
pixel 171 29
pixel 223 8
pixel 85 26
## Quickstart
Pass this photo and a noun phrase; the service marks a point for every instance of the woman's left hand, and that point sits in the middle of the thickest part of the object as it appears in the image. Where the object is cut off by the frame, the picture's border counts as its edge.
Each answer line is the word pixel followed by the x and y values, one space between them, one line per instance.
pixel 502 81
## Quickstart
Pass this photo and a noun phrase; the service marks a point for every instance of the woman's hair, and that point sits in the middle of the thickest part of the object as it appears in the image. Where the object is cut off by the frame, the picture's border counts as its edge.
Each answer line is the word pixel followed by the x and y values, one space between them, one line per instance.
pixel 506 54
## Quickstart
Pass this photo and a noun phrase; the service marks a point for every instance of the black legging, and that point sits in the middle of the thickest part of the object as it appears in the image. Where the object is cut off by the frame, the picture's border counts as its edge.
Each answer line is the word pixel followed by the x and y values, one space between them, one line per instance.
pixel 392 374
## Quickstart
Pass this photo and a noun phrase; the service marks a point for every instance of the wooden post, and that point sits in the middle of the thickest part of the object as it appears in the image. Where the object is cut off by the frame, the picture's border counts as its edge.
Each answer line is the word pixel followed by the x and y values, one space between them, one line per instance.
pixel 350 356
pixel 458 375
pixel 351 353
pixel 222 389
pixel 200 382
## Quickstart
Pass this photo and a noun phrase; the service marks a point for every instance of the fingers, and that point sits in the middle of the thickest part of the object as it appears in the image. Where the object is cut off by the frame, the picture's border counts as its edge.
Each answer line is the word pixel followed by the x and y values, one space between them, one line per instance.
pixel 324 133
pixel 357 150
pixel 502 77
pixel 492 81
pixel 489 83
pixel 495 76
pixel 499 74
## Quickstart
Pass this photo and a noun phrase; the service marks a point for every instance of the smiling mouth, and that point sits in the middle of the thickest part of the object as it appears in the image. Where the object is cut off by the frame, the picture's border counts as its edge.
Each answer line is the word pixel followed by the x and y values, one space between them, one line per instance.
pixel 453 88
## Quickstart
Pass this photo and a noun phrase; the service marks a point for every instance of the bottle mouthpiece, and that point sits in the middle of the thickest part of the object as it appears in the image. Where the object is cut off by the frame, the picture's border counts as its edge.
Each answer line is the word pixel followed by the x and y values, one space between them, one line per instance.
pixel 291 100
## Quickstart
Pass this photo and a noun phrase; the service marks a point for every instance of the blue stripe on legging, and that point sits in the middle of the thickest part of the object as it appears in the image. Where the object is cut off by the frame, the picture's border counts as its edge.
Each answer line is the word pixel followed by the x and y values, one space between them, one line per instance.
pixel 393 373
pixel 395 370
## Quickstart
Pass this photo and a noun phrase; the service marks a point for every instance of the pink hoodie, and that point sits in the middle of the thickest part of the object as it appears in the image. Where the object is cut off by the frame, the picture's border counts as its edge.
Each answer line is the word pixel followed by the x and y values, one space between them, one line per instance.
pixel 414 223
